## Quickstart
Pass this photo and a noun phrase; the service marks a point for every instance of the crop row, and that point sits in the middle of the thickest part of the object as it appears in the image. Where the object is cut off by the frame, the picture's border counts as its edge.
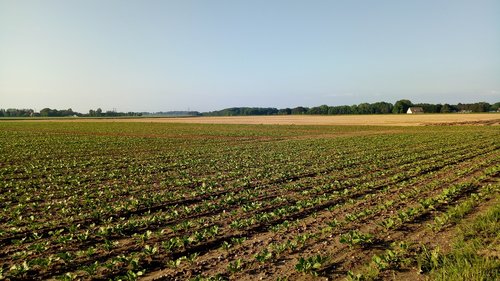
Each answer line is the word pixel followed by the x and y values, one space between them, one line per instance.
pixel 86 201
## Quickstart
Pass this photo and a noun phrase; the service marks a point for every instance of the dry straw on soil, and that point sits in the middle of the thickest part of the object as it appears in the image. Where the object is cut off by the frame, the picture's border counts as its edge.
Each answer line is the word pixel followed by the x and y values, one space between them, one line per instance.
pixel 377 120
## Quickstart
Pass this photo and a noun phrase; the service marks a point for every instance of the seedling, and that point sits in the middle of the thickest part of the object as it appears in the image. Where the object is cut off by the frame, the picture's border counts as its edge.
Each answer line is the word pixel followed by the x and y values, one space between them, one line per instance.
pixel 235 266
pixel 311 265
pixel 355 237
pixel 263 255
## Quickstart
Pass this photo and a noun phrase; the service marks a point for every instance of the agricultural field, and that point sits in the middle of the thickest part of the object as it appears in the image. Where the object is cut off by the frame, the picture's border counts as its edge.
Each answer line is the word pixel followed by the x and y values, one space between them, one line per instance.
pixel 352 120
pixel 171 201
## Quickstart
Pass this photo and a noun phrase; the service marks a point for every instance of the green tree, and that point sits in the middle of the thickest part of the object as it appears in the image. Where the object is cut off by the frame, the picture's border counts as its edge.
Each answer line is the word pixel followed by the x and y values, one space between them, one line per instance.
pixel 481 107
pixel 364 108
pixel 401 106
pixel 285 111
pixel 446 108
pixel 383 107
pixel 299 110
pixel 45 112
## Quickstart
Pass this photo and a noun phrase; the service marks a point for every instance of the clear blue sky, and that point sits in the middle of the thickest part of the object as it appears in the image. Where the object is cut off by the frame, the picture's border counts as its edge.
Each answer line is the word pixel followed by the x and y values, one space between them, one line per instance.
pixel 209 54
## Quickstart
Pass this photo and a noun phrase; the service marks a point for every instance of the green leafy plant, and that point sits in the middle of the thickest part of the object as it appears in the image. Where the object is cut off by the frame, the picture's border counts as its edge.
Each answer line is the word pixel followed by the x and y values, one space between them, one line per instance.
pixel 355 237
pixel 235 266
pixel 310 265
pixel 263 255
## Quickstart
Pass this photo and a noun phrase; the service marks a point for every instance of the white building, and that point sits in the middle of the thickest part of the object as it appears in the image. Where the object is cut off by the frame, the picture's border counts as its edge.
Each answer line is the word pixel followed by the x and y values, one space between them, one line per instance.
pixel 415 110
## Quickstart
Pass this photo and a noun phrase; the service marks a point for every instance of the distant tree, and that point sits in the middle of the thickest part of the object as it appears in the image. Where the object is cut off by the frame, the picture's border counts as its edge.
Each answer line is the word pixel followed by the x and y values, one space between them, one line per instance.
pixel 317 110
pixel 284 111
pixel 45 112
pixel 446 108
pixel 98 112
pixel 382 107
pixel 429 108
pixel 299 110
pixel 238 111
pixel 28 112
pixel 364 108
pixel 401 106
pixel 354 109
pixel 67 112
pixel 342 109
pixel 481 107
pixel 323 109
pixel 13 112
pixel 313 110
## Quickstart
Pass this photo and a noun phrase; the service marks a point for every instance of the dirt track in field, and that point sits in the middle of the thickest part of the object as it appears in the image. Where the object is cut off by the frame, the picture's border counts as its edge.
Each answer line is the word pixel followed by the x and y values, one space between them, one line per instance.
pixel 377 120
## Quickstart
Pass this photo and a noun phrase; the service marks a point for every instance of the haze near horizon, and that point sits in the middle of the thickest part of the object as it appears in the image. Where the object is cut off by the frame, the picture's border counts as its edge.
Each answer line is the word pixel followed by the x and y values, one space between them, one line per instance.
pixel 209 55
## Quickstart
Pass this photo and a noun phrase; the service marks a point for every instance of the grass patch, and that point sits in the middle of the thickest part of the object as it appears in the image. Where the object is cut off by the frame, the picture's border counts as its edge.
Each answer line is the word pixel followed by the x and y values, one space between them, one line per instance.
pixel 475 254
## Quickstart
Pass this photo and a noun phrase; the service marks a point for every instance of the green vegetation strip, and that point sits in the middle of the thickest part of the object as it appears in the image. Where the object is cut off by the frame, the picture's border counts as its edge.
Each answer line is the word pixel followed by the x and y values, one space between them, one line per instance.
pixel 475 254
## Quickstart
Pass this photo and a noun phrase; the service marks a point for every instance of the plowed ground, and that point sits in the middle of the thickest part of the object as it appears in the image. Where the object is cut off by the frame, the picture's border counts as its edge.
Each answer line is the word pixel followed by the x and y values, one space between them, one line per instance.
pixel 242 202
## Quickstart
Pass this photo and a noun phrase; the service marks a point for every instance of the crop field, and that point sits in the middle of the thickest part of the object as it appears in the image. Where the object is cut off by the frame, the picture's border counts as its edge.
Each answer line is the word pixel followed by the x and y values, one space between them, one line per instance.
pixel 167 201
pixel 353 120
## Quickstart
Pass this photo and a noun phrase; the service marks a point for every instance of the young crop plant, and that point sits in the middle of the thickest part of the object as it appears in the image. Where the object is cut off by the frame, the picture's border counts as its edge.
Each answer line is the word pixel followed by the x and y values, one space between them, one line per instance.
pixel 226 245
pixel 355 237
pixel 192 258
pixel 428 203
pixel 131 275
pixel 150 250
pixel 351 276
pixel 282 247
pixel 19 270
pixel 68 276
pixel 109 245
pixel 39 247
pixel 311 265
pixel 389 223
pixel 238 241
pixel 408 214
pixel 394 258
pixel 175 263
pixel 91 270
pixel 303 238
pixel 263 256
pixel 235 266
pixel 173 243
pixel 217 277
pixel 333 223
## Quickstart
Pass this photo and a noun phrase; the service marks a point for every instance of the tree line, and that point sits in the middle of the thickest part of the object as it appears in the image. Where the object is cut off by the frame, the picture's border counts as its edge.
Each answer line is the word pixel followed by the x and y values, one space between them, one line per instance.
pixel 401 106
pixel 48 112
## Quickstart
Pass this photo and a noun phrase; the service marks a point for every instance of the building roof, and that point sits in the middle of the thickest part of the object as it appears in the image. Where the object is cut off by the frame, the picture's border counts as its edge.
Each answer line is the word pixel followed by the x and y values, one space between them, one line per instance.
pixel 416 109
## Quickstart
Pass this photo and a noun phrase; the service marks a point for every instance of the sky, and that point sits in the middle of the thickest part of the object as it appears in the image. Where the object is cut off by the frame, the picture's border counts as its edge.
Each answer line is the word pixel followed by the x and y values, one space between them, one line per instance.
pixel 148 55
